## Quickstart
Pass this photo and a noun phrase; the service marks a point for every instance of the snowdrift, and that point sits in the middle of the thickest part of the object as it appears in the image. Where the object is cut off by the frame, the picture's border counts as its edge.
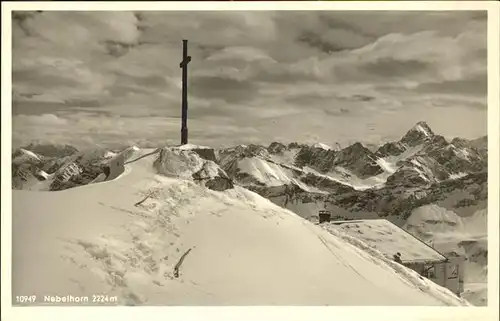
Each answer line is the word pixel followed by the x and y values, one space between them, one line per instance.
pixel 126 238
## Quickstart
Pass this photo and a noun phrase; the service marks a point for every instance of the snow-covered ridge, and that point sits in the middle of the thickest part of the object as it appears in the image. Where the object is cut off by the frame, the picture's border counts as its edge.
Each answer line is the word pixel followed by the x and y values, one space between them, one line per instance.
pixel 29 153
pixel 323 146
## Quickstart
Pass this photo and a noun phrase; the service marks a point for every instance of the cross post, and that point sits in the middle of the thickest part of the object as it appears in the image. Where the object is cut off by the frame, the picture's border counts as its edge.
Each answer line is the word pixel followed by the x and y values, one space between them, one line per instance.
pixel 185 60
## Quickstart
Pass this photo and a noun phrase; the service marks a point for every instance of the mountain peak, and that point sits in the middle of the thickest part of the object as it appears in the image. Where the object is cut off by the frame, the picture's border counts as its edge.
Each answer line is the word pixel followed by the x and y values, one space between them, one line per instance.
pixel 423 128
pixel 356 147
pixel 418 134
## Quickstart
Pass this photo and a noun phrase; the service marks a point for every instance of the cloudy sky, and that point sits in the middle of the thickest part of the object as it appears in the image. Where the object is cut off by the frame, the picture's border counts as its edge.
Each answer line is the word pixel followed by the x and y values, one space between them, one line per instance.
pixel 113 78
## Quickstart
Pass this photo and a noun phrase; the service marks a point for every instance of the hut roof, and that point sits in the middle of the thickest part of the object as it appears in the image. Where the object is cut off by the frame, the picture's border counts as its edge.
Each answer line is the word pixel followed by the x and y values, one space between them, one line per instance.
pixel 390 239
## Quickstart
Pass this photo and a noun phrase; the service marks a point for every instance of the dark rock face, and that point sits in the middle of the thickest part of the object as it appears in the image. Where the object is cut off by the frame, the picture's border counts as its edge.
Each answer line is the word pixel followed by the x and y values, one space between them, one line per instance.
pixel 389 149
pixel 287 194
pixel 436 142
pixel 256 150
pixel 68 176
pixel 276 148
pixel 213 177
pixel 26 168
pixel 22 174
pixel 325 184
pixel 314 157
pixel 295 145
pixel 84 167
pixel 481 145
pixel 29 167
pixel 219 184
pixel 407 177
pixel 53 164
pixel 443 159
pixel 419 134
pixel 356 158
pixel 240 151
pixel 206 153
pixel 401 200
pixel 52 151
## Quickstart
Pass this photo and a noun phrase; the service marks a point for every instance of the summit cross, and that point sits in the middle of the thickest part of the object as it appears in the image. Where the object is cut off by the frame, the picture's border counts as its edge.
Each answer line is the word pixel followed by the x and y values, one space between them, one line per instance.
pixel 184 64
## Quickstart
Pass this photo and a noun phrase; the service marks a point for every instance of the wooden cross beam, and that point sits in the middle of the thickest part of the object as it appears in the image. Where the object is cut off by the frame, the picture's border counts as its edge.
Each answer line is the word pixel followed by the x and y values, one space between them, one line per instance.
pixel 184 64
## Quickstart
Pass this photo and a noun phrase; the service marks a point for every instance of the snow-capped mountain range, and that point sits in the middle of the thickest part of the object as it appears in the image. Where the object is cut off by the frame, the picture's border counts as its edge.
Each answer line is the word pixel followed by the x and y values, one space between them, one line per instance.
pixel 421 168
pixel 398 181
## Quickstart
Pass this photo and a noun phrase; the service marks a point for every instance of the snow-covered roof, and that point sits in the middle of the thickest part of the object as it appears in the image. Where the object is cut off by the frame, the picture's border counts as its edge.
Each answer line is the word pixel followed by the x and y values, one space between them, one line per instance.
pixel 390 239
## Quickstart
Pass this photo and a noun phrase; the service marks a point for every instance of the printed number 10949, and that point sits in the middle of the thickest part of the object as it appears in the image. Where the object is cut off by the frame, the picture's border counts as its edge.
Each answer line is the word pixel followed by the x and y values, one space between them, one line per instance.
pixel 25 298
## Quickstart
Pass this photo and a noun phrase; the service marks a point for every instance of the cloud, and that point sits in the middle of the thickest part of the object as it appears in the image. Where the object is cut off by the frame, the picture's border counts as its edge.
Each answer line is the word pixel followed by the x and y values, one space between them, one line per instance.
pixel 474 86
pixel 44 119
pixel 114 77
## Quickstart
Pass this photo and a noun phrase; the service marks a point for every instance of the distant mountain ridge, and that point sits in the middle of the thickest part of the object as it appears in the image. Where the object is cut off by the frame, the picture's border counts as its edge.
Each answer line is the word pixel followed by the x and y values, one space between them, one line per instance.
pixel 356 182
pixel 353 181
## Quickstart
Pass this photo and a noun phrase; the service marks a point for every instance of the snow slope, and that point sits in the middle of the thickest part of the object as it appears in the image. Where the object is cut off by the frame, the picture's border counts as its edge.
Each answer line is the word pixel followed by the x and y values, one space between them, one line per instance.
pixel 266 172
pixel 244 250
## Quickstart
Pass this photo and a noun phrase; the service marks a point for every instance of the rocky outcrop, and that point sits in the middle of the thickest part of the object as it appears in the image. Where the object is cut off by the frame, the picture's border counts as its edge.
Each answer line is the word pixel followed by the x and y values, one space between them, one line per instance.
pixel 315 157
pixel 89 167
pixel 219 184
pixel 356 158
pixel 27 168
pixel 52 150
pixel 178 163
pixel 408 176
pixel 390 149
pixel 481 145
pixel 325 184
pixel 359 160
pixel 187 164
pixel 276 148
pixel 206 153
